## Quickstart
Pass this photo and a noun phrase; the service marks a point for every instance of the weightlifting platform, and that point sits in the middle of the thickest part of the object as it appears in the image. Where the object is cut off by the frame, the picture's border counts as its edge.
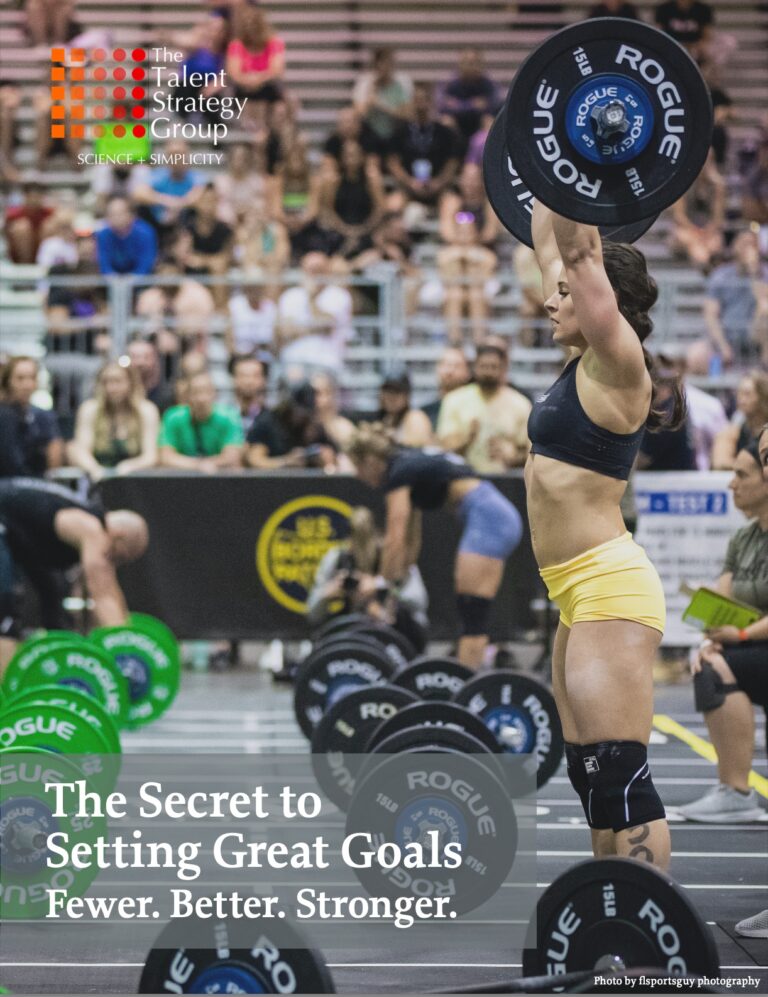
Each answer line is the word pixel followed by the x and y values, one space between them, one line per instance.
pixel 723 867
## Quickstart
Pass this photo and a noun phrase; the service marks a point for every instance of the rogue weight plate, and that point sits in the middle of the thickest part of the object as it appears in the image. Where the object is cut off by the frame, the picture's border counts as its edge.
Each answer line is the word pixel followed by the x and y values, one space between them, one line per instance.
pixel 242 958
pixel 426 739
pixel 151 672
pixel 513 202
pixel 340 738
pixel 617 91
pixel 53 728
pixel 434 715
pixel 397 645
pixel 615 913
pixel 433 678
pixel 433 799
pixel 339 624
pixel 68 698
pixel 79 665
pixel 31 649
pixel 327 674
pixel 522 714
pixel 26 821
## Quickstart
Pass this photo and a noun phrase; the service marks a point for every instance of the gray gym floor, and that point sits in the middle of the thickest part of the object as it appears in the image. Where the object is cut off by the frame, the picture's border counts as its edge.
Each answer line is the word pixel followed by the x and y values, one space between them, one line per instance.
pixel 724 867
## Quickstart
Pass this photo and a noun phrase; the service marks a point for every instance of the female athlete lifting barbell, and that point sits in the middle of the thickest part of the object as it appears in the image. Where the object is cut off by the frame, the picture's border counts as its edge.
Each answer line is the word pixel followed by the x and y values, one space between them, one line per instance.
pixel 418 479
pixel 585 434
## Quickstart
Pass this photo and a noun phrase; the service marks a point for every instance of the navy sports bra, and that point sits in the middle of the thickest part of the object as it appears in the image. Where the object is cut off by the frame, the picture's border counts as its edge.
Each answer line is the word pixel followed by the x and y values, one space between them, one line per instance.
pixel 558 427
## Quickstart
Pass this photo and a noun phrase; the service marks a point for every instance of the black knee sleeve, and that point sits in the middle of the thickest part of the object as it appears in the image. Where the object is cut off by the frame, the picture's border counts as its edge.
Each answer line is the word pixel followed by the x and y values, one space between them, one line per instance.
pixel 620 783
pixel 580 782
pixel 709 690
pixel 473 615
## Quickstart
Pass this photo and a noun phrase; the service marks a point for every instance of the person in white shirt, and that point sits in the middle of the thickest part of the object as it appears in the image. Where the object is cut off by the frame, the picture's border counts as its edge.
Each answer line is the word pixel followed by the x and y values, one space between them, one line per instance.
pixel 252 318
pixel 314 319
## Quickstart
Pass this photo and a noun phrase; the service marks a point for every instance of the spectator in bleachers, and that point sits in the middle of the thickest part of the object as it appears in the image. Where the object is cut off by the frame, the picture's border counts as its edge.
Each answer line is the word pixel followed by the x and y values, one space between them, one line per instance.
pixel 477 142
pixel 200 435
pixel 262 244
pixel 126 244
pixel 30 437
pixel 252 319
pixel 411 426
pixel 337 427
pixel 738 657
pixel 192 363
pixel 722 107
pixel 291 434
pixel 255 62
pixel 423 157
pixel 706 414
pixel 243 186
pixel 249 384
pixel 390 243
pixel 117 180
pixel 350 126
pixel 699 217
pixel 46 146
pixel 350 202
pixel 467 261
pixel 188 308
pixel 145 360
pixel 689 22
pixel 116 431
pixel 24 223
pixel 50 22
pixel 85 305
pixel 314 319
pixel 531 310
pixel 750 417
pixel 383 96
pixel 754 200
pixel 204 243
pixel 451 371
pixel 295 192
pixel 486 421
pixel 614 8
pixel 204 47
pixel 170 190
pixel 667 449
pixel 469 96
pixel 10 101
pixel 734 308
pixel 282 134
pixel 59 245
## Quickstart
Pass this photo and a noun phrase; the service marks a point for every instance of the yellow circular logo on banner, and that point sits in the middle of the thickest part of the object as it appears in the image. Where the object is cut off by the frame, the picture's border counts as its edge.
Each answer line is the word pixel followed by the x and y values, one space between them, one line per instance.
pixel 292 543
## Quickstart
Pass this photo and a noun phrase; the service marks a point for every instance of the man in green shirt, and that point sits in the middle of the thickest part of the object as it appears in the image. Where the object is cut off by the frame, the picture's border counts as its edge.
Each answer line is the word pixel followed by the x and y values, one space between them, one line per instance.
pixel 201 436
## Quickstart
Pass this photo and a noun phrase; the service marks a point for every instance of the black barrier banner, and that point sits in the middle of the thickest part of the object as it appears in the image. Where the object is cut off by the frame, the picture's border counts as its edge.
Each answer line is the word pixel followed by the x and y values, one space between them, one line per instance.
pixel 233 556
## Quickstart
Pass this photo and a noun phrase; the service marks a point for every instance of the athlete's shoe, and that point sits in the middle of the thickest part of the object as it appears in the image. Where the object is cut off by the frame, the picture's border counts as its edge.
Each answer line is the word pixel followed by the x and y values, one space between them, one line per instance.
pixel 754 927
pixel 723 805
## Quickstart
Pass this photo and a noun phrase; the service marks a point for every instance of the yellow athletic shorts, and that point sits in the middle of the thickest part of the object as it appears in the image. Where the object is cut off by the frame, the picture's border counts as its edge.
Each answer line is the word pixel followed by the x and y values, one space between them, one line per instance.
pixel 613 581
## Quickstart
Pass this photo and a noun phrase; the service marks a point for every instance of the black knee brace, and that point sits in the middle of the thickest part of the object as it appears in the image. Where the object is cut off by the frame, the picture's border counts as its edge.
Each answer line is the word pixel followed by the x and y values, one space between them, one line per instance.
pixel 580 782
pixel 473 615
pixel 620 783
pixel 709 690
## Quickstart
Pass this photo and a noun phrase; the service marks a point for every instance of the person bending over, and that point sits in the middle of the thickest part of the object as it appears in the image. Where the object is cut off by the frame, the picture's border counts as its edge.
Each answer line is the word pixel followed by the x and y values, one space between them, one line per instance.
pixel 730 667
pixel 46 528
pixel 413 480
pixel 585 433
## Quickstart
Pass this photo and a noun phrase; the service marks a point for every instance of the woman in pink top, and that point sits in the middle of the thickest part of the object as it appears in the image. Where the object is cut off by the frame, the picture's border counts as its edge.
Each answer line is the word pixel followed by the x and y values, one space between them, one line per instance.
pixel 256 61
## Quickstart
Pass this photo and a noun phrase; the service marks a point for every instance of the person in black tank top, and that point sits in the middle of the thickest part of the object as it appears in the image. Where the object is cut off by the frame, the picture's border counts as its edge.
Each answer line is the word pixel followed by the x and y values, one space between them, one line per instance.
pixel 418 479
pixel 585 434
pixel 44 528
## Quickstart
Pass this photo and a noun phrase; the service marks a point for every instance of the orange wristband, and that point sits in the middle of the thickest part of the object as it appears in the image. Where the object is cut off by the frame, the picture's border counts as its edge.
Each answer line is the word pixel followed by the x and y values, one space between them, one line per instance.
pixel 743 635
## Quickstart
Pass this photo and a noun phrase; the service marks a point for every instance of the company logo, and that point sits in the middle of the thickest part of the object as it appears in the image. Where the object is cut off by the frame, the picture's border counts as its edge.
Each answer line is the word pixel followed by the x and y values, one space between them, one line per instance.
pixel 293 541
pixel 114 81
pixel 124 98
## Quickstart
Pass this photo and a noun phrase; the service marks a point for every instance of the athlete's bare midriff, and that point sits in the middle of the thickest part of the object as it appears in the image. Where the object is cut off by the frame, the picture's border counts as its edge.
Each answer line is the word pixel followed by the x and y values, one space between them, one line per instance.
pixel 570 509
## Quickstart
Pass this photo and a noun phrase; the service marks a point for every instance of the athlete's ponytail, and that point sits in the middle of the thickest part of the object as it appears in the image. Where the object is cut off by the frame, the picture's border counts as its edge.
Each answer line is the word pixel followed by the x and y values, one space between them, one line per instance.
pixel 636 293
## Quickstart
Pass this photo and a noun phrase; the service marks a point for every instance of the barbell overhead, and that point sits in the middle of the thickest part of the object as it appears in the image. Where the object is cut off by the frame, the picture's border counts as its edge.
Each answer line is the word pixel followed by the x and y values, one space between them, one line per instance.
pixel 608 121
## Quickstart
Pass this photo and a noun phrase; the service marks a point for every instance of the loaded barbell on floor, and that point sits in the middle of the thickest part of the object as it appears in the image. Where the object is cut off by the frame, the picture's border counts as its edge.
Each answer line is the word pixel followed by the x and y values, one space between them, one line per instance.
pixel 603 917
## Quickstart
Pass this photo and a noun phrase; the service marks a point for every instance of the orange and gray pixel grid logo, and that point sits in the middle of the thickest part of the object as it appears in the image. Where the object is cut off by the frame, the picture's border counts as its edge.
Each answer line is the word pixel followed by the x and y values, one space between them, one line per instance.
pixel 90 87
